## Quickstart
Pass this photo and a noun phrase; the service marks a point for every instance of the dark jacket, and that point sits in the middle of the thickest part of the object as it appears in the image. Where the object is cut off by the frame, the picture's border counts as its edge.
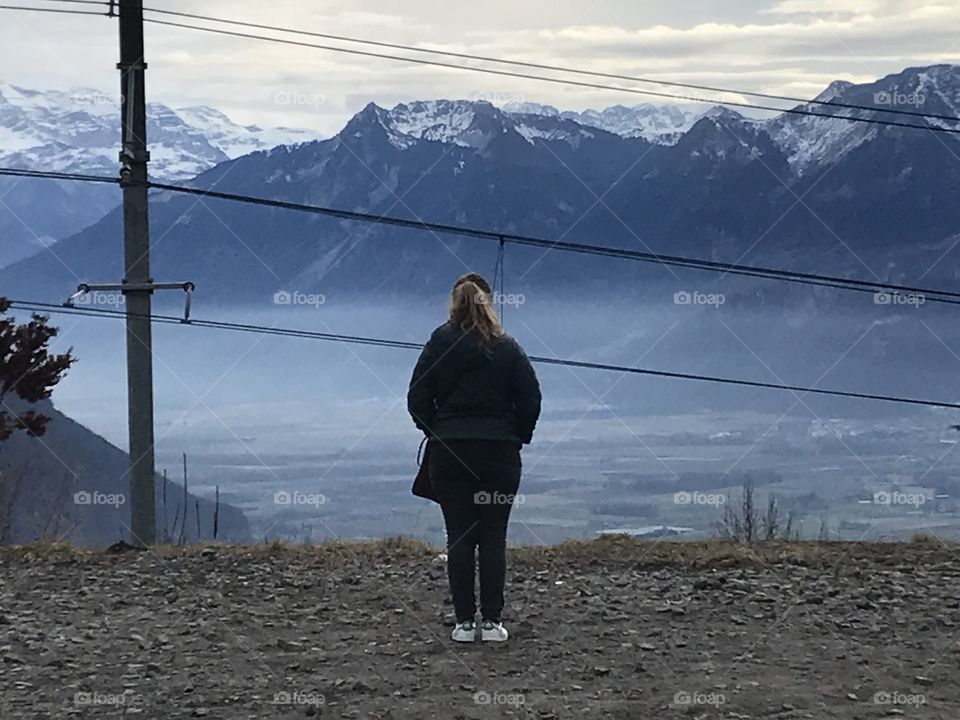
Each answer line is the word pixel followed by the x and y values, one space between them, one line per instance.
pixel 459 392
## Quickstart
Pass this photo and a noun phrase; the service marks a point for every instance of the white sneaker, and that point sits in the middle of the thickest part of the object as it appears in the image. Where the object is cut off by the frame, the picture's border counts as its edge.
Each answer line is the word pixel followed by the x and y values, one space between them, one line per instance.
pixel 465 631
pixel 493 632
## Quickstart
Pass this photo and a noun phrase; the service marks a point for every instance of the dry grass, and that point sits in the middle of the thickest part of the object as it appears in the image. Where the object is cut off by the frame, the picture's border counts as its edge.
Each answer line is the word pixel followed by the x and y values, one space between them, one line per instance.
pixel 926 538
pixel 609 551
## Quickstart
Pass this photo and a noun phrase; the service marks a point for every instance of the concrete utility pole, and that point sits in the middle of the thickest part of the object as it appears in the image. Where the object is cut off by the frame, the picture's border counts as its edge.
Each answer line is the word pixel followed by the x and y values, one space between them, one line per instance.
pixel 136 250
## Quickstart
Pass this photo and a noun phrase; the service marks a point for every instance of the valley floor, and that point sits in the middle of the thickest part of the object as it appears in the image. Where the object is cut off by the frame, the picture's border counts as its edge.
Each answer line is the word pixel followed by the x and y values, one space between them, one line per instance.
pixel 612 628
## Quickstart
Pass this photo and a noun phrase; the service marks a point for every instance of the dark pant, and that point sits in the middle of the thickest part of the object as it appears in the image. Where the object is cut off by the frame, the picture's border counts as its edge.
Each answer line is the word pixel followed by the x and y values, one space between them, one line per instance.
pixel 476 481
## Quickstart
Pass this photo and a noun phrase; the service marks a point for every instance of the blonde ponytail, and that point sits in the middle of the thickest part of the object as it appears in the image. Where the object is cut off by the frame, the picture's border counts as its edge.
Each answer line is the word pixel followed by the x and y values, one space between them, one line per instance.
pixel 471 310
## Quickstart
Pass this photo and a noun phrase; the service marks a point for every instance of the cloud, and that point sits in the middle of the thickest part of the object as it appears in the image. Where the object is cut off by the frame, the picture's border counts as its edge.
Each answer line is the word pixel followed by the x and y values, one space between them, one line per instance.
pixel 794 47
pixel 824 7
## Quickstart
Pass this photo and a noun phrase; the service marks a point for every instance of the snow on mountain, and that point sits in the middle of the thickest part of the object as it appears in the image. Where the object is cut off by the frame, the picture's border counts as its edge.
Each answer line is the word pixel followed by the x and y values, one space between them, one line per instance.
pixel 810 142
pixel 531 108
pixel 474 123
pixel 441 120
pixel 659 124
pixel 468 124
pixel 941 84
pixel 834 90
pixel 235 140
pixel 538 128
pixel 806 140
pixel 78 130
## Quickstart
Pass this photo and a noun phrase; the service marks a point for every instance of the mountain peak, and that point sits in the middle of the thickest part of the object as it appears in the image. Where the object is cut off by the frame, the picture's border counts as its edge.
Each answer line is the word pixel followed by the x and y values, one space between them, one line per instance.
pixel 721 113
pixel 834 90
pixel 371 113
pixel 446 120
pixel 474 123
pixel 372 122
pixel 460 122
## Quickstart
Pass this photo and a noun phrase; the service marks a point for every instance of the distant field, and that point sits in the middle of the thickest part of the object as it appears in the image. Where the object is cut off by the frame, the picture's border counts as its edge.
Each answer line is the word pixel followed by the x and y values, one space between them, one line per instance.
pixel 637 472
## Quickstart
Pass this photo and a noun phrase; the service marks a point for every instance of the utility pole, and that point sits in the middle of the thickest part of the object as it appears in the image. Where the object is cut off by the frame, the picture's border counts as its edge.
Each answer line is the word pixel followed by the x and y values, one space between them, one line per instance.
pixel 136 251
pixel 137 286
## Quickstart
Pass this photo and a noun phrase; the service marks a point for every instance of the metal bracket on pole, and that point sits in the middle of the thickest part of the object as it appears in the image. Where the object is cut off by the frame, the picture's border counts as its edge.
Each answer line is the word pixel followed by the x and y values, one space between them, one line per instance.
pixel 125 287
pixel 126 157
pixel 132 151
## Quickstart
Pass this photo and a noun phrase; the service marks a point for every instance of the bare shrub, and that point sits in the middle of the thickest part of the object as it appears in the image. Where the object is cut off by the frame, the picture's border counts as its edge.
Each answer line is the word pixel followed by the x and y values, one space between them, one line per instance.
pixel 747 523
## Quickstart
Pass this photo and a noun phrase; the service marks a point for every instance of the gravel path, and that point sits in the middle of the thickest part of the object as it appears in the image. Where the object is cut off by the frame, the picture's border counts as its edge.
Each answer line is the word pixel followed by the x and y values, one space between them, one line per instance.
pixel 609 629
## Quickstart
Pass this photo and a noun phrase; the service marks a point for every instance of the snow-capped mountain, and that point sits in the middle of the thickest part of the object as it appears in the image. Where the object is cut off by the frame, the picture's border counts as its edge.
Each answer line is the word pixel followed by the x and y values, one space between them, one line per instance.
pixel 811 142
pixel 77 131
pixel 468 124
pixel 659 124
pixel 808 142
pixel 728 182
pixel 728 189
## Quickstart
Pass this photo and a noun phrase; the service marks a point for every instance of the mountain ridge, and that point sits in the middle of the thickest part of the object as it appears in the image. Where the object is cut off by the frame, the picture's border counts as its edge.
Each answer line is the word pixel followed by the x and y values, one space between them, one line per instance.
pixel 780 192
pixel 78 130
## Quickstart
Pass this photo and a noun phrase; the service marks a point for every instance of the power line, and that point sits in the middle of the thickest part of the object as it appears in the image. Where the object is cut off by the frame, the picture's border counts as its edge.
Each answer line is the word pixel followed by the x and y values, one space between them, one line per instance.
pixel 543 78
pixel 554 68
pixel 220 325
pixel 814 279
pixel 404 345
pixel 54 175
pixel 80 2
pixel 58 11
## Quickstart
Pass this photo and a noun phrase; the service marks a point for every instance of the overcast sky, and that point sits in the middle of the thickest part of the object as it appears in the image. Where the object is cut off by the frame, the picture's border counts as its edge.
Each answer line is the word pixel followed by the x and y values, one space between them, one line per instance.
pixel 794 47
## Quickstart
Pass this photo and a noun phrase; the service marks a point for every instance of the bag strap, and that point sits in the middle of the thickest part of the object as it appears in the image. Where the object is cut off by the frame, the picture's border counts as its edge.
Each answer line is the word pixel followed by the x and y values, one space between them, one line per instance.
pixel 420 451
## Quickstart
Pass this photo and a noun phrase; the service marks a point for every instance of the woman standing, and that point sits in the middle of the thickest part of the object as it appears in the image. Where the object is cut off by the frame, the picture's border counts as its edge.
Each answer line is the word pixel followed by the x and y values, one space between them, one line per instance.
pixel 475 395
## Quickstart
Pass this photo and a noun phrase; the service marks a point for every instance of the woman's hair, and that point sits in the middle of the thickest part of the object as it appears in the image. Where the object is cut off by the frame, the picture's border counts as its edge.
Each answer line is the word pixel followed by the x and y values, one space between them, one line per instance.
pixel 471 310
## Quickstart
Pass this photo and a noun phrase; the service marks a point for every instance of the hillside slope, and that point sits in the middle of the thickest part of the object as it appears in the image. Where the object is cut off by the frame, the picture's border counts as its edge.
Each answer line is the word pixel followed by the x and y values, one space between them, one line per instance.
pixel 72 485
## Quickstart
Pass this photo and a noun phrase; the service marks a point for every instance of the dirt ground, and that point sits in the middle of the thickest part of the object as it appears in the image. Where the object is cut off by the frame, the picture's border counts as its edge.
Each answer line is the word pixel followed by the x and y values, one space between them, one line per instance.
pixel 607 629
